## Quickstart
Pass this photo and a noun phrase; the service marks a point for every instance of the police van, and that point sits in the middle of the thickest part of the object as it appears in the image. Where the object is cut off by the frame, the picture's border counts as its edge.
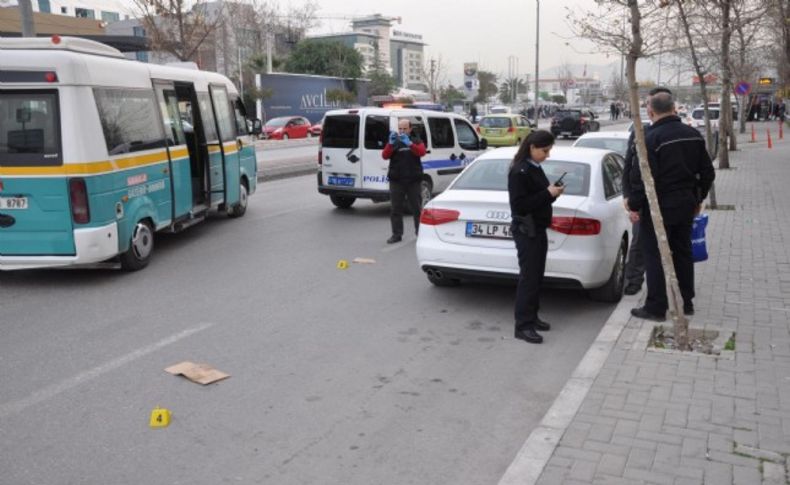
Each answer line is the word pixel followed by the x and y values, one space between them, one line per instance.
pixel 349 158
pixel 98 152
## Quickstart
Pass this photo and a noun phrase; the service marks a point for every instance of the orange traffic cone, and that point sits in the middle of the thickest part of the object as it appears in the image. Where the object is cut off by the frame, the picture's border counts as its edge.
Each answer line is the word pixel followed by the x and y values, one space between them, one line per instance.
pixel 770 143
pixel 754 135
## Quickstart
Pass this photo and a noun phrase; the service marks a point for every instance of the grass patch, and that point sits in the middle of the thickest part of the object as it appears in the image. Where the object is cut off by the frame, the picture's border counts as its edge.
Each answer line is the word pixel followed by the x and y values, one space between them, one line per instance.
pixel 730 343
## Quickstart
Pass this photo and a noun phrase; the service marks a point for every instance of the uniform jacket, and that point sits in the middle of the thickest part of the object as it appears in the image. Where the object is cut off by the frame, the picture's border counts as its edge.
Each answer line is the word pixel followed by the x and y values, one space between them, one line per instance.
pixel 681 167
pixel 527 186
pixel 405 164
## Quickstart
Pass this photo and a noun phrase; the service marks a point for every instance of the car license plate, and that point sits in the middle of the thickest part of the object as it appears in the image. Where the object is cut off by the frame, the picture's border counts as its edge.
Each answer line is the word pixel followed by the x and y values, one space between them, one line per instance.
pixel 344 181
pixel 485 229
pixel 12 203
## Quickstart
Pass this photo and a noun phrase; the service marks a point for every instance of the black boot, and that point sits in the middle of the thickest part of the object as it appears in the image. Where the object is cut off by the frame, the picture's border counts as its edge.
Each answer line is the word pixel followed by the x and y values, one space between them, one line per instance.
pixel 528 334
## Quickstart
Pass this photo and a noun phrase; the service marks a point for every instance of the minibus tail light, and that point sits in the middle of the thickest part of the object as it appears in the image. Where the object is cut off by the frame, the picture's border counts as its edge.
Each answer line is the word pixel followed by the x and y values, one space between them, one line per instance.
pixel 78 194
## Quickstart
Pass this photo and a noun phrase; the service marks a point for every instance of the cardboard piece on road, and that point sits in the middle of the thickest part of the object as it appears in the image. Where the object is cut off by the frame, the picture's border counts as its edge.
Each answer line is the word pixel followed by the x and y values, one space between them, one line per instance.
pixel 364 261
pixel 200 373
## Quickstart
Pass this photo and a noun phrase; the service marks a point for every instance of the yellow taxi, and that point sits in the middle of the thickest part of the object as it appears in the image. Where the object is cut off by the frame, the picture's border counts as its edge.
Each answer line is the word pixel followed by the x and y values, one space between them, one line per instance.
pixel 503 129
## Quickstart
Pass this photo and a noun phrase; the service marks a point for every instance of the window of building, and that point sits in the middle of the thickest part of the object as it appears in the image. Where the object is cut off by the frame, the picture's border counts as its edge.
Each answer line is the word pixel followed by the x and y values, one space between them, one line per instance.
pixel 138 31
pixel 64 10
pixel 84 13
pixel 141 56
pixel 44 7
pixel 129 120
pixel 110 17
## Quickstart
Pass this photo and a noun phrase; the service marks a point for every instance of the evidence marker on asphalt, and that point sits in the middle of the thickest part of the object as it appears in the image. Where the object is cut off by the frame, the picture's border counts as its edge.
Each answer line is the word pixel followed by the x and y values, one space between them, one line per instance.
pixel 342 264
pixel 160 418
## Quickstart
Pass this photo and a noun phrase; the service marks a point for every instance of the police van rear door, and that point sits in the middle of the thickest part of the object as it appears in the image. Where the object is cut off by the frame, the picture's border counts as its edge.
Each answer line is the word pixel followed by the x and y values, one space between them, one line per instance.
pixel 340 157
pixel 377 128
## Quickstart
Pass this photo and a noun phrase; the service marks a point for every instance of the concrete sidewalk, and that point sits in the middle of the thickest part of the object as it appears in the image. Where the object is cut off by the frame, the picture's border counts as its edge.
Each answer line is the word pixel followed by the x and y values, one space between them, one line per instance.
pixel 631 416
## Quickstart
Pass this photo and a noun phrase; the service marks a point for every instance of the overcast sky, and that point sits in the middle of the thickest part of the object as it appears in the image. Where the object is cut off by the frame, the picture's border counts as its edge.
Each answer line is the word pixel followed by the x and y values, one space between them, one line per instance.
pixel 486 32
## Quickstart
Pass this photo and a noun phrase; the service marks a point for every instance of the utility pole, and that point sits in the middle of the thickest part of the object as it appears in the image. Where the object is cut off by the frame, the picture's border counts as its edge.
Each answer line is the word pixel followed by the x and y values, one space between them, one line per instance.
pixel 537 64
pixel 269 42
pixel 432 86
pixel 26 13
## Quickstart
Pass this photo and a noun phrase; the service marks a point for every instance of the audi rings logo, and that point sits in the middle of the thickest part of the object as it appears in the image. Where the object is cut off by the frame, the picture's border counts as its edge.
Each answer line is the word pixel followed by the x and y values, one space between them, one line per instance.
pixel 500 215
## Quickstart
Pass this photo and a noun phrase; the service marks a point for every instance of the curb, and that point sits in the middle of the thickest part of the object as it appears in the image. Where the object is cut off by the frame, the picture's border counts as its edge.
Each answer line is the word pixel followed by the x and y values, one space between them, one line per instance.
pixel 286 172
pixel 536 451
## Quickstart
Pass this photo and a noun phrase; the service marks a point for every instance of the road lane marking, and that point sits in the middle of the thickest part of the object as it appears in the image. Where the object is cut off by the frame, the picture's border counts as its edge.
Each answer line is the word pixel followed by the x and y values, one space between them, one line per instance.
pixel 48 392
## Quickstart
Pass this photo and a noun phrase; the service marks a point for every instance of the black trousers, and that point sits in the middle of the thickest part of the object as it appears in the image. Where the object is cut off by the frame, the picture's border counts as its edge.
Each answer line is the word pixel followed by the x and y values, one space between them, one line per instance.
pixel 399 192
pixel 679 238
pixel 532 264
pixel 635 266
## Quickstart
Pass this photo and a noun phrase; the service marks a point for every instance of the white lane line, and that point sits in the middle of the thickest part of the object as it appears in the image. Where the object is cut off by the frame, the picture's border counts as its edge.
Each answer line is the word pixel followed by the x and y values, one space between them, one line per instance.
pixel 48 392
pixel 531 459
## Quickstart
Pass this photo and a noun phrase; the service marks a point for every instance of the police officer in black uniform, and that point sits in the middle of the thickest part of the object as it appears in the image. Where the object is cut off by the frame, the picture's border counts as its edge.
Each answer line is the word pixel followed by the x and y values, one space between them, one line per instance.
pixel 683 174
pixel 531 196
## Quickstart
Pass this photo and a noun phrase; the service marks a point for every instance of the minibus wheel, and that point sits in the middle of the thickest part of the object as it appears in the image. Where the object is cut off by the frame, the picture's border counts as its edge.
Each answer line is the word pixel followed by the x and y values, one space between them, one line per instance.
pixel 141 247
pixel 238 210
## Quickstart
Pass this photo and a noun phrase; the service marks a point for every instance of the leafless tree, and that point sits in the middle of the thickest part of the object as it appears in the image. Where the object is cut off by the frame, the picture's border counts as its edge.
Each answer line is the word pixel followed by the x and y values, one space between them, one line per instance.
pixel 565 77
pixel 780 13
pixel 434 72
pixel 603 28
pixel 749 30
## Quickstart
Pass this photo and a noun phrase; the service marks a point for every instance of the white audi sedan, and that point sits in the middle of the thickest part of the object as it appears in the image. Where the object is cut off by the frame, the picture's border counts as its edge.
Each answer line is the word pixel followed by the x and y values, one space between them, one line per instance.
pixel 607 140
pixel 465 231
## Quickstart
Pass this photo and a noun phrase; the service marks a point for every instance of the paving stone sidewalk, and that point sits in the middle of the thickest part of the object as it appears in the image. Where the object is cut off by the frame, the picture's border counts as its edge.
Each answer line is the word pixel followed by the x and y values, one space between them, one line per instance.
pixel 681 418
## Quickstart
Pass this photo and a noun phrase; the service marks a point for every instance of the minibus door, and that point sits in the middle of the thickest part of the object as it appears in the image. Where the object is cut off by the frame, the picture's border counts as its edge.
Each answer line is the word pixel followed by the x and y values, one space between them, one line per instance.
pixel 176 136
pixel 215 175
pixel 226 123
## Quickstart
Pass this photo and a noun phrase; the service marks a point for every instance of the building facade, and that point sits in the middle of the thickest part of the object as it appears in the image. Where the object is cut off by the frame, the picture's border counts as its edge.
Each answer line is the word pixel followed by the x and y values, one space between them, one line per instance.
pixel 105 10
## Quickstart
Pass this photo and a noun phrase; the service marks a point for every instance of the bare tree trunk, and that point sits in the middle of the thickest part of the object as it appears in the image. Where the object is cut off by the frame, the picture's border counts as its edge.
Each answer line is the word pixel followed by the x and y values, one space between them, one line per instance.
pixel 725 113
pixel 673 290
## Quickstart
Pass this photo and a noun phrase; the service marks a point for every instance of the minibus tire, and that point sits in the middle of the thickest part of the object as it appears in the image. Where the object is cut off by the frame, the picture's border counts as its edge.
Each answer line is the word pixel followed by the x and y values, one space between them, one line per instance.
pixel 342 202
pixel 139 253
pixel 239 209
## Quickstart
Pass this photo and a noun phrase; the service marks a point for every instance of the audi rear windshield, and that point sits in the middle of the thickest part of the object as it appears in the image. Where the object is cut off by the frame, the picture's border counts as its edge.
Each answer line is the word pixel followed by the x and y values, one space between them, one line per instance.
pixel 30 128
pixel 341 131
pixel 492 175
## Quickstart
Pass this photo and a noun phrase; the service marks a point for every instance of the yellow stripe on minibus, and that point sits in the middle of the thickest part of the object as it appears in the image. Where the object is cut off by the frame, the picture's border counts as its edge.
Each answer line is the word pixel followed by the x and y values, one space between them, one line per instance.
pixel 93 168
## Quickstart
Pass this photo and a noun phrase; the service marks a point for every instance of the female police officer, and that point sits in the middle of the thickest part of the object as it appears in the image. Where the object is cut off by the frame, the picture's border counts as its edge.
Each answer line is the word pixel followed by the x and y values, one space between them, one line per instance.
pixel 531 196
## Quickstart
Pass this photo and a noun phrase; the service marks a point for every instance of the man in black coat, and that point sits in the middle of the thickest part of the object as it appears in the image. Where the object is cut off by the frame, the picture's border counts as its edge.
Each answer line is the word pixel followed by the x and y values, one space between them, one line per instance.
pixel 404 150
pixel 683 174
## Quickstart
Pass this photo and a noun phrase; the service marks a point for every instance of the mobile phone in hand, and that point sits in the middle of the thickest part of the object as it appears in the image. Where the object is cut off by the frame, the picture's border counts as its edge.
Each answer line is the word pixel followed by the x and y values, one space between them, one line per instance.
pixel 559 183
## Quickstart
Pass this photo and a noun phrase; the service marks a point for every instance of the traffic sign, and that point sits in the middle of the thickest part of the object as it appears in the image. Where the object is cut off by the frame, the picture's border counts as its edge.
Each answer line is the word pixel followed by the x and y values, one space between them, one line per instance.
pixel 743 88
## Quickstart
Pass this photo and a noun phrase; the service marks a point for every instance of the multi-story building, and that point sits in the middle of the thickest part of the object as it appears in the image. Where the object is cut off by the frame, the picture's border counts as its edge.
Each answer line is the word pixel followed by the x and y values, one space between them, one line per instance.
pixel 105 10
pixel 399 53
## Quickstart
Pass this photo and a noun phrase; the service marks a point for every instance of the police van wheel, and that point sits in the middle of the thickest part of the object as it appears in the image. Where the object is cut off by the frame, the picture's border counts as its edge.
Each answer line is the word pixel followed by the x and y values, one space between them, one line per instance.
pixel 141 247
pixel 612 291
pixel 342 202
pixel 240 208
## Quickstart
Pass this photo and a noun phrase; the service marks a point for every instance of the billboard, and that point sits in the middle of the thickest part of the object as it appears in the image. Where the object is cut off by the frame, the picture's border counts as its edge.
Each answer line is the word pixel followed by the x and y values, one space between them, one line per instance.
pixel 306 95
pixel 471 83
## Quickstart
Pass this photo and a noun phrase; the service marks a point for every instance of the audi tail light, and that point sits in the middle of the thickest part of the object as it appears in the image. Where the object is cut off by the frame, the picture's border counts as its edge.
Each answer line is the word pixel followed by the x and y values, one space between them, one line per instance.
pixel 435 217
pixel 576 226
pixel 78 194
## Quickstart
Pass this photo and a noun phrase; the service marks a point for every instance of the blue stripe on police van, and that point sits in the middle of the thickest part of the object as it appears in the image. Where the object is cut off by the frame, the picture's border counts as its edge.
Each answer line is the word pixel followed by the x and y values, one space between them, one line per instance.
pixel 432 164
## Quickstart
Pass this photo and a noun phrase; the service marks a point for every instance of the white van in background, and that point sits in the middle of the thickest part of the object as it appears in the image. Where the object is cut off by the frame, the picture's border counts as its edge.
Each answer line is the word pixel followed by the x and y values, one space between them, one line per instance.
pixel 349 157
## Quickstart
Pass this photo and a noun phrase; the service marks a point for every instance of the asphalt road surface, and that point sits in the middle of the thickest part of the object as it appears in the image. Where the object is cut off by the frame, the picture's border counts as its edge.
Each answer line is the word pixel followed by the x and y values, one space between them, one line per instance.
pixel 368 375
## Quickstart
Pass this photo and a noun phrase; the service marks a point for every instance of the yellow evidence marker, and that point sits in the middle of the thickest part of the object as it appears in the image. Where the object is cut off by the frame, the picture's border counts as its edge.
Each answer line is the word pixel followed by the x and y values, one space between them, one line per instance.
pixel 342 264
pixel 160 418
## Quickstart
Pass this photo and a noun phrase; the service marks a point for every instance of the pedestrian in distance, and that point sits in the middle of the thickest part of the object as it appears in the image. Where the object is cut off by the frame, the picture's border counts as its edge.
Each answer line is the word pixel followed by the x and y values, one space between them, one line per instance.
pixel 404 150
pixel 683 174
pixel 634 266
pixel 531 196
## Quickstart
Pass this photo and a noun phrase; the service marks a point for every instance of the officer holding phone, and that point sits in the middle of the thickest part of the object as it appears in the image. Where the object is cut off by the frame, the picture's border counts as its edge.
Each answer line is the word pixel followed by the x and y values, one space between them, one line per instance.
pixel 404 150
pixel 531 196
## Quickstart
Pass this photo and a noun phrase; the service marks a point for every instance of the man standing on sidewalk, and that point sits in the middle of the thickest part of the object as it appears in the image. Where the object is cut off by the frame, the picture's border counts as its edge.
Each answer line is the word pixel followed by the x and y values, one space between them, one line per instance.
pixel 683 174
pixel 405 176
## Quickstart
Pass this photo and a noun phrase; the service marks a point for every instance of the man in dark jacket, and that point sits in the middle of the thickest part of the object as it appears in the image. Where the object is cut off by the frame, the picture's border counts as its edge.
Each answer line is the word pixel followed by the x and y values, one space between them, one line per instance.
pixel 405 176
pixel 683 174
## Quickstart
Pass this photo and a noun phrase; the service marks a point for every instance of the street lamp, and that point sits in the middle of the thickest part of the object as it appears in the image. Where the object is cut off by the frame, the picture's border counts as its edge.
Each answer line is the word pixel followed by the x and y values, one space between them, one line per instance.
pixel 537 53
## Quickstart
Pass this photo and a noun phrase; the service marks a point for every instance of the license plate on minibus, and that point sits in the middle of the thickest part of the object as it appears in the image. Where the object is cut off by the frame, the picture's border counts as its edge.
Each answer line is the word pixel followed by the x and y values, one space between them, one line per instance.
pixel 13 203
pixel 485 229
pixel 344 181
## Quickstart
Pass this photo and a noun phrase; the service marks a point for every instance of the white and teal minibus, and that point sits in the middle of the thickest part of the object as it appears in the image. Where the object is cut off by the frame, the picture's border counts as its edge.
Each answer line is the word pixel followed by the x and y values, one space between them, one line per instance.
pixel 99 152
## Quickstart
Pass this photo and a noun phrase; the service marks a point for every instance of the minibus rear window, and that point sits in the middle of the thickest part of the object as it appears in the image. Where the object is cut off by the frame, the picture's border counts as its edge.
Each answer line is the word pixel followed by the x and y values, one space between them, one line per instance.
pixel 341 131
pixel 30 128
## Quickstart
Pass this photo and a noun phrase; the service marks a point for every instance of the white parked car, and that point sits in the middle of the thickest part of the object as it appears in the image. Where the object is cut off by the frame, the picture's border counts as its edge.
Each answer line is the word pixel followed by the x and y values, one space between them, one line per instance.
pixel 616 141
pixel 697 118
pixel 465 231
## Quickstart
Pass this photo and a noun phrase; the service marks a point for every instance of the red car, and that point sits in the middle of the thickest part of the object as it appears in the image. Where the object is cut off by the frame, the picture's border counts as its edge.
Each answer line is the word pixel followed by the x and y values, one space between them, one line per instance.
pixel 315 130
pixel 286 127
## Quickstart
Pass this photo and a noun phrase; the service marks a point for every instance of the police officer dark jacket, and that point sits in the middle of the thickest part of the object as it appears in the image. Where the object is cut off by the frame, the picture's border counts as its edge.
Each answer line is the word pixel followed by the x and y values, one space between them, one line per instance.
pixel 528 188
pixel 681 167
pixel 405 165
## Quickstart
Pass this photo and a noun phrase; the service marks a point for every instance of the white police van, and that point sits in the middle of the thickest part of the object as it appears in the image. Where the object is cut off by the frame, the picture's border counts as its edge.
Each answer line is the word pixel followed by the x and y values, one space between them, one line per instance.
pixel 349 158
